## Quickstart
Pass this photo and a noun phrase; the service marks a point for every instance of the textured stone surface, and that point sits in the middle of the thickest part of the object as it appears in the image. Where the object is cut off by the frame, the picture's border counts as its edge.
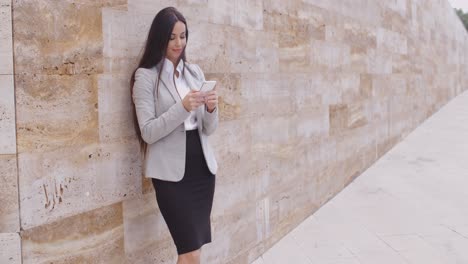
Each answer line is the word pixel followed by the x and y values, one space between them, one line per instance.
pixel 311 93
pixel 92 237
pixel 67 37
pixel 6 49
pixel 10 241
pixel 10 248
pixel 74 153
pixel 55 111
pixel 9 211
pixel 7 115
pixel 153 243
pixel 74 180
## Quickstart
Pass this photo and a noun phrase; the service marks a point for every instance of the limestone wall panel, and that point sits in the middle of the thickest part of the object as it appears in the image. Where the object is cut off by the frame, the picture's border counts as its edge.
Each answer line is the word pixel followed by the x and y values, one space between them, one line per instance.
pixel 6 49
pixel 10 248
pixel 71 181
pixel 9 213
pixel 92 237
pixel 7 115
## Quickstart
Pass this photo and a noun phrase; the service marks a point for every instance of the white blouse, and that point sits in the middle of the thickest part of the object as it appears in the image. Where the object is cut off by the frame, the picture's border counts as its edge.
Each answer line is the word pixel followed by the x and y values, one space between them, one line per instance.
pixel 182 88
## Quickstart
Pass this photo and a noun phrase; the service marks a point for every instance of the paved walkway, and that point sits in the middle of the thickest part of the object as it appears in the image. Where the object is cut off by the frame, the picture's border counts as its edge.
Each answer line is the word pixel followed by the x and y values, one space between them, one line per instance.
pixel 410 207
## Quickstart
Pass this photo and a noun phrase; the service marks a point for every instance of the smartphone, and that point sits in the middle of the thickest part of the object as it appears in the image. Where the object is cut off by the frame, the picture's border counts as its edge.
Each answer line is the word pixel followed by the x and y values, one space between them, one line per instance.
pixel 207 86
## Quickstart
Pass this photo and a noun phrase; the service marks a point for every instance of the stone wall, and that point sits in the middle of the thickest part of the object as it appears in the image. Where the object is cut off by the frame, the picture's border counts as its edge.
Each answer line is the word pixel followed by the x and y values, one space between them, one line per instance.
pixel 312 92
pixel 10 241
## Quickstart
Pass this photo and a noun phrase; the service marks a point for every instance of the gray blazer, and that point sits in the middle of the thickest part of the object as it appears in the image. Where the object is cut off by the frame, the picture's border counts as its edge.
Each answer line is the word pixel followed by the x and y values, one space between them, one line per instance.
pixel 161 120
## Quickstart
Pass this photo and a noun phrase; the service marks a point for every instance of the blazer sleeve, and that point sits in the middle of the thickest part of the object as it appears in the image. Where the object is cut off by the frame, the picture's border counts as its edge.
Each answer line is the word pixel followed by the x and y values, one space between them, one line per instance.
pixel 154 128
pixel 210 120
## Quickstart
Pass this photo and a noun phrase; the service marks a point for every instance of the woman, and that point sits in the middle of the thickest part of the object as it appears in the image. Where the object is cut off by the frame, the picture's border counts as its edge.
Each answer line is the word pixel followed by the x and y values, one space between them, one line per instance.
pixel 174 122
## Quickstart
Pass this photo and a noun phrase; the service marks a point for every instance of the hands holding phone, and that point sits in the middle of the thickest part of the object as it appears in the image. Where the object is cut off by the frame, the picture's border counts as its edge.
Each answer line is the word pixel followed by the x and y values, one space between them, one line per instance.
pixel 211 100
pixel 194 99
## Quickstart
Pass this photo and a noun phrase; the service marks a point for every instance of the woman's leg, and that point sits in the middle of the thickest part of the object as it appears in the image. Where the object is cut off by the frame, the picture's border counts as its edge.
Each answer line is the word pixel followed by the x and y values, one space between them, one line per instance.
pixel 192 257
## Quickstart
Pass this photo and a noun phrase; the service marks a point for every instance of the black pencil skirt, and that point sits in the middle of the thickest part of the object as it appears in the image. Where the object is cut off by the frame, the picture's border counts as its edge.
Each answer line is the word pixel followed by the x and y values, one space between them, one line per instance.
pixel 186 205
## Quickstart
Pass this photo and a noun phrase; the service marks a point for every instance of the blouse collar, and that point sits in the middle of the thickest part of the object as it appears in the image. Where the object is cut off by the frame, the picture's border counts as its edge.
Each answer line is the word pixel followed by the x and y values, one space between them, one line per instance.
pixel 169 66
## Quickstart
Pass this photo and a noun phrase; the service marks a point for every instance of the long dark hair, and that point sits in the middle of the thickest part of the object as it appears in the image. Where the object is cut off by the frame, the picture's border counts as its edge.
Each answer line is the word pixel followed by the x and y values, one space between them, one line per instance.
pixel 155 52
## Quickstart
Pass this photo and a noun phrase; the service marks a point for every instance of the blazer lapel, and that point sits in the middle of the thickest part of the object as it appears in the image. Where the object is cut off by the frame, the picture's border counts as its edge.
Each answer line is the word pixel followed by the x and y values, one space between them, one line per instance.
pixel 169 84
pixel 192 81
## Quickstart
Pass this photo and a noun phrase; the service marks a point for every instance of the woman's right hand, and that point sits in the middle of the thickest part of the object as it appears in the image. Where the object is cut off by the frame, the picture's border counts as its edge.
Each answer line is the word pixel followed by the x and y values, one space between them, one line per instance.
pixel 192 100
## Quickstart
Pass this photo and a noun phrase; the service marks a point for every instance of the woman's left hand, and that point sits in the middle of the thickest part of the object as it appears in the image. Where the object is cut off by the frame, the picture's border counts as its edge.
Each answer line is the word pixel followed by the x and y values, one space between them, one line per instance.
pixel 211 100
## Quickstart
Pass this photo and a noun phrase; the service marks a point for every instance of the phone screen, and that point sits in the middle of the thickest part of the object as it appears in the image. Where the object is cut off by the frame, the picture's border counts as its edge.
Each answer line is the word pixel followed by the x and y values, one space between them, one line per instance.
pixel 208 86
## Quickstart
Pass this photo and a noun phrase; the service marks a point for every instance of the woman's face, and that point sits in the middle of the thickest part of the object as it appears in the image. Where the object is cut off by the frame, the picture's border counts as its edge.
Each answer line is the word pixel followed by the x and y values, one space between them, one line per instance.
pixel 177 42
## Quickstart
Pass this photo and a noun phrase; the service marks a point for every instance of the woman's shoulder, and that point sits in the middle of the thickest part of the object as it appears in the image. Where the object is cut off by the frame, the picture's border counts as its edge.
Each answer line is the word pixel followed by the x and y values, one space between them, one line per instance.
pixel 146 71
pixel 146 74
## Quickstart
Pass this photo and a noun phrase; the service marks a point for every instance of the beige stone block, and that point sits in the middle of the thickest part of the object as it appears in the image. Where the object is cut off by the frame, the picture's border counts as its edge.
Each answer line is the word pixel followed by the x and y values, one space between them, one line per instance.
pixel 348 85
pixel 96 236
pixel 244 14
pixel 6 49
pixel 56 111
pixel 124 36
pixel 308 158
pixel 235 180
pixel 344 117
pixel 379 62
pixel 292 204
pixel 338 118
pixel 400 122
pixel 241 14
pixel 7 115
pixel 334 33
pixel 147 238
pixel 399 6
pixel 147 7
pixel 331 80
pixel 359 115
pixel 248 14
pixel 365 86
pixel 313 123
pixel 384 86
pixel 360 37
pixel 361 10
pixel 401 64
pixel 317 15
pixel 213 55
pixel 70 181
pixel 293 29
pixel 10 248
pixel 396 17
pixel 9 211
pixel 276 165
pixel 283 126
pixel 295 59
pixel 327 181
pixel 116 109
pixel 65 39
pixel 308 94
pixel 391 41
pixel 253 51
pixel 233 232
pixel 290 8
pixel 331 55
pixel 266 95
pixel 356 152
